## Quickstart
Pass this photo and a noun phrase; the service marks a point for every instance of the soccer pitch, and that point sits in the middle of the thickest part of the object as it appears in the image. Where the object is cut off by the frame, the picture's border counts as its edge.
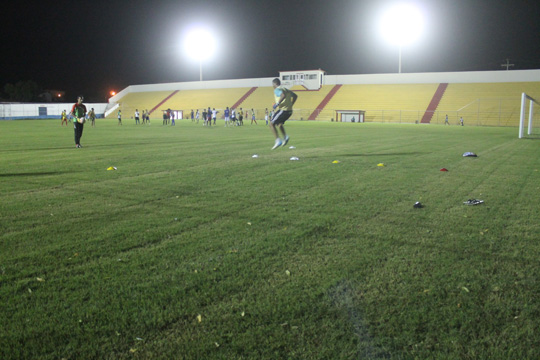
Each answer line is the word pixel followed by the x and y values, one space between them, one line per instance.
pixel 194 249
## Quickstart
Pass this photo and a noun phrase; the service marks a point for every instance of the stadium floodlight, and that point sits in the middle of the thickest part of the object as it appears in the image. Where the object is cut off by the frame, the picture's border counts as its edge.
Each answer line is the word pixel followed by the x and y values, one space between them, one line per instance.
pixel 199 44
pixel 402 25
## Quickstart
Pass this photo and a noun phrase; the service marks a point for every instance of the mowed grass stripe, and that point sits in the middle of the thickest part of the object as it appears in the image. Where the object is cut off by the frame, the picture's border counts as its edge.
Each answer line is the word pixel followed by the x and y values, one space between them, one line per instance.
pixel 282 259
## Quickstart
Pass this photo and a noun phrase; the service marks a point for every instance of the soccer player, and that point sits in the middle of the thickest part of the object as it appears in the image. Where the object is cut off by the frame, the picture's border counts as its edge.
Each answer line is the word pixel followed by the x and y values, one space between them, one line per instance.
pixel 192 116
pixel 78 111
pixel 226 114
pixel 92 117
pixel 214 115
pixel 147 117
pixel 233 117
pixel 253 117
pixel 240 117
pixel 137 117
pixel 284 102
pixel 119 117
pixel 64 118
pixel 266 115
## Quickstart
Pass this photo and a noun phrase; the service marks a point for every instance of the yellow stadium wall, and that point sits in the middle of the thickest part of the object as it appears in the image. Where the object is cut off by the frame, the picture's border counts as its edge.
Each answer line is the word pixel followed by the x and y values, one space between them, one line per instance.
pixel 489 98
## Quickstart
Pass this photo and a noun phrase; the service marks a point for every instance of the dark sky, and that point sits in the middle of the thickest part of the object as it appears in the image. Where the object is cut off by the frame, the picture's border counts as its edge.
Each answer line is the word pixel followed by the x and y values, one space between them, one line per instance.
pixel 91 47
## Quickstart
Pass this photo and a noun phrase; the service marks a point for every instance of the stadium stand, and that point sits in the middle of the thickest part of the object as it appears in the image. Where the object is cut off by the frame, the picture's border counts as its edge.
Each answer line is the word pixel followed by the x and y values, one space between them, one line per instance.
pixel 199 99
pixel 491 104
pixel 141 101
pixel 263 97
pixel 184 100
pixel 489 98
pixel 400 103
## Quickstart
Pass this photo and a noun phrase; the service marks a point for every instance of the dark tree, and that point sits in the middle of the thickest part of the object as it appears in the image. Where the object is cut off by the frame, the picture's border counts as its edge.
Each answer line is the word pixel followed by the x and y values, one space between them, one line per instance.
pixel 22 91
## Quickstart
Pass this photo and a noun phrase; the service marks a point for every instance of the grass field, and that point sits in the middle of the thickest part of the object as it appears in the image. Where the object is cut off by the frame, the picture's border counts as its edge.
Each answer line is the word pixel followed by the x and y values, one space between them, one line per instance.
pixel 192 249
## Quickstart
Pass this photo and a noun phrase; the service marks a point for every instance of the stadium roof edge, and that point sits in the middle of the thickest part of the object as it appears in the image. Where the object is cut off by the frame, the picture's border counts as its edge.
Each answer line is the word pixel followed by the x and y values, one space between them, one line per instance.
pixel 403 78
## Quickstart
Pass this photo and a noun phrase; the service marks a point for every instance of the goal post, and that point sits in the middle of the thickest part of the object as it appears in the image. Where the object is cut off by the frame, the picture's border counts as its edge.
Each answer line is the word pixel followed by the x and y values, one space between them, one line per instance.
pixel 532 102
pixel 350 116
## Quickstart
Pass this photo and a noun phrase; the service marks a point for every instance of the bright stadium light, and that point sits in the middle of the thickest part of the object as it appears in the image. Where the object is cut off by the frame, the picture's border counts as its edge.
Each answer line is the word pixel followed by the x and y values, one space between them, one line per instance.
pixel 199 44
pixel 402 25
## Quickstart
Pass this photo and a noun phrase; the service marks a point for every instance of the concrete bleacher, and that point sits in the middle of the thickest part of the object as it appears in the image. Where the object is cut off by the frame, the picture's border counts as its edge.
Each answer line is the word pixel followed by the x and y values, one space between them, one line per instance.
pixel 309 101
pixel 219 99
pixel 259 100
pixel 400 103
pixel 482 98
pixel 141 101
pixel 491 104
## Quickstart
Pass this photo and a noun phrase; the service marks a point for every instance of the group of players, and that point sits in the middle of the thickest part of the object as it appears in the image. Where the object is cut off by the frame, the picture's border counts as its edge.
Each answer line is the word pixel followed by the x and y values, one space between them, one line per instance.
pixel 90 116
pixel 280 113
pixel 231 116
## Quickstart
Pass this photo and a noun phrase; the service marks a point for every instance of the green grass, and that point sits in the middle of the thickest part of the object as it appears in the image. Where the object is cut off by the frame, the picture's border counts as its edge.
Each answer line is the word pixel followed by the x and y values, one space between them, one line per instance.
pixel 281 259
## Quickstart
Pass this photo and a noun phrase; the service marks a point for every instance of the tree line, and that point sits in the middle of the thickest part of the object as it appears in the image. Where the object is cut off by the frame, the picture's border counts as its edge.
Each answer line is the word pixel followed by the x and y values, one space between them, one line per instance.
pixel 22 91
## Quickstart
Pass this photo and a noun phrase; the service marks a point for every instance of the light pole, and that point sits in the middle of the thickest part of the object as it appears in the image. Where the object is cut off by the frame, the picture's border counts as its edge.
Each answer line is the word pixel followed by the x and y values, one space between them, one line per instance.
pixel 200 44
pixel 402 25
pixel 399 68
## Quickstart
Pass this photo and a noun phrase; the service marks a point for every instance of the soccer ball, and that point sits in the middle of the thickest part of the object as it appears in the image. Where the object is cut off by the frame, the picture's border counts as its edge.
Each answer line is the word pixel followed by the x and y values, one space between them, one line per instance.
pixel 81 120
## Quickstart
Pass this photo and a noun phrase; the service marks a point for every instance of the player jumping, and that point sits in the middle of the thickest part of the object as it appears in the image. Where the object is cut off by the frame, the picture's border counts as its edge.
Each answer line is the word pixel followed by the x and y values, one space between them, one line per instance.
pixel 285 100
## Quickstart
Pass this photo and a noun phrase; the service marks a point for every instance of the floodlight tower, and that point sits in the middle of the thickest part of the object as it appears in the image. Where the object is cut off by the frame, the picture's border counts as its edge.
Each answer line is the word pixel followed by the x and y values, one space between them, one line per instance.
pixel 200 44
pixel 402 25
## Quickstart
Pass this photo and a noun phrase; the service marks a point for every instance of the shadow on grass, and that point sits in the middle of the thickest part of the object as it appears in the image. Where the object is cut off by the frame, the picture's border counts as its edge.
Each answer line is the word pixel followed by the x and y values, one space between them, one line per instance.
pixel 385 154
pixel 531 137
pixel 91 146
pixel 45 173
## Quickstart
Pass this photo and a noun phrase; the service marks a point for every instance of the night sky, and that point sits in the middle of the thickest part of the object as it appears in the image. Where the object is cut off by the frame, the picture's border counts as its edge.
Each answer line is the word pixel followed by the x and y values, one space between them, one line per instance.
pixel 92 47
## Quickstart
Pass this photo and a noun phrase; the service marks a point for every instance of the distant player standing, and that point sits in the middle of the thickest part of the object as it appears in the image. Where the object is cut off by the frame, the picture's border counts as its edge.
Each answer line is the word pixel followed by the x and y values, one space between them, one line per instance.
pixel 78 111
pixel 226 114
pixel 253 117
pixel 119 117
pixel 284 101
pixel 92 117
pixel 233 117
pixel 64 118
pixel 214 115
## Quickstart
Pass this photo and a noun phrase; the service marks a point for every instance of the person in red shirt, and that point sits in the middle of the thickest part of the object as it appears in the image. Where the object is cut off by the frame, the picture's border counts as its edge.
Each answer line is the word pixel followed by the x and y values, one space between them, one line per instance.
pixel 78 112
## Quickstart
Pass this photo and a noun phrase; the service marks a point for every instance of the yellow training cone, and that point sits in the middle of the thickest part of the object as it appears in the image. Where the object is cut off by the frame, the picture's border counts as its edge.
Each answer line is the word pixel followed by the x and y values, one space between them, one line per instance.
pixel 335 162
pixel 380 164
pixel 111 168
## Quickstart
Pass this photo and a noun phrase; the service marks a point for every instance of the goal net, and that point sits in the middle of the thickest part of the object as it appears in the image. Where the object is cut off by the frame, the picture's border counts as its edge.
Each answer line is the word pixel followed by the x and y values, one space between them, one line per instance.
pixel 530 110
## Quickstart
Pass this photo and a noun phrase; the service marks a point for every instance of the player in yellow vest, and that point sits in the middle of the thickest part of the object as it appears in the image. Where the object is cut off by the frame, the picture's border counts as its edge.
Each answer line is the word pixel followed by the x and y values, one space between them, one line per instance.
pixel 283 108
pixel 64 118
